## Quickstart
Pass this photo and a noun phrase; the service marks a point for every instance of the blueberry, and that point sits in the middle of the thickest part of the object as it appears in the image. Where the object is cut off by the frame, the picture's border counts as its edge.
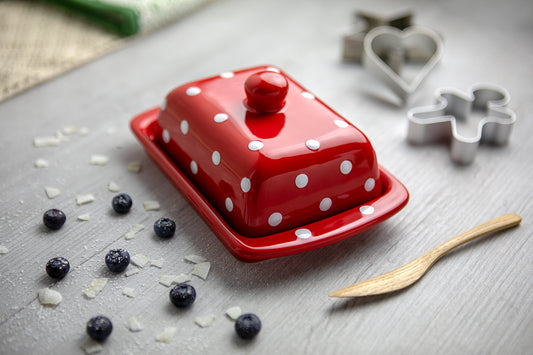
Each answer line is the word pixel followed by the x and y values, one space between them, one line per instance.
pixel 57 267
pixel 164 227
pixel 99 328
pixel 54 219
pixel 122 203
pixel 182 295
pixel 247 325
pixel 117 260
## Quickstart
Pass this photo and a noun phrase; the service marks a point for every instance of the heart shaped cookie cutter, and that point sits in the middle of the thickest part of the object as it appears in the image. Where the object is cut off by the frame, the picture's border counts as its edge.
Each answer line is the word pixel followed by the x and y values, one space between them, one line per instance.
pixel 387 48
pixel 438 123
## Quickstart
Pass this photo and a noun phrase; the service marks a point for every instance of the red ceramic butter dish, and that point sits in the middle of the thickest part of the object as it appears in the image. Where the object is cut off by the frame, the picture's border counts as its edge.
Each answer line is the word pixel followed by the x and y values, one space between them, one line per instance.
pixel 269 167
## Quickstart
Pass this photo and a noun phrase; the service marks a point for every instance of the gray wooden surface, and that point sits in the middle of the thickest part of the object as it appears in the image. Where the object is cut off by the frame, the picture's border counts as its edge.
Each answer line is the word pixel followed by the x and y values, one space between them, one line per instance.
pixel 478 299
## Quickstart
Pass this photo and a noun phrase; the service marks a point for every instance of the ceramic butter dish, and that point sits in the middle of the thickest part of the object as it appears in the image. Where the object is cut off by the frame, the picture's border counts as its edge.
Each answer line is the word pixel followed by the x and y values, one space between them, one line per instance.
pixel 271 169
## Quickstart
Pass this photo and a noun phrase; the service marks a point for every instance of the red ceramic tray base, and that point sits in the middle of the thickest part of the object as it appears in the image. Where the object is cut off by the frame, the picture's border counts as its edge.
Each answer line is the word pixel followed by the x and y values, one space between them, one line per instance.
pixel 324 232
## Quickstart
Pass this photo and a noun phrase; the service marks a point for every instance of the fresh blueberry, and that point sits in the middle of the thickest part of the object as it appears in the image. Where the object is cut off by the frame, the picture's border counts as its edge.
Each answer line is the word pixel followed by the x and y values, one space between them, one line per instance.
pixel 247 325
pixel 117 260
pixel 99 328
pixel 182 295
pixel 164 227
pixel 122 203
pixel 57 267
pixel 54 219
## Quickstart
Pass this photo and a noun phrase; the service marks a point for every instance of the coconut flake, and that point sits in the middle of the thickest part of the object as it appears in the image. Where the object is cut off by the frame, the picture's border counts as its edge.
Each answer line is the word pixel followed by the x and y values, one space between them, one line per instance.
pixel 201 270
pixel 83 131
pixel 84 217
pixel 169 280
pixel 135 166
pixel 49 297
pixel 48 141
pixel 205 321
pixel 113 186
pixel 234 312
pixel 195 259
pixel 52 192
pixel 132 271
pixel 134 325
pixel 130 292
pixel 97 285
pixel 40 163
pixel 3 249
pixel 85 198
pixel 134 230
pixel 151 205
pixel 140 260
pixel 91 346
pixel 158 263
pixel 68 130
pixel 167 335
pixel 97 159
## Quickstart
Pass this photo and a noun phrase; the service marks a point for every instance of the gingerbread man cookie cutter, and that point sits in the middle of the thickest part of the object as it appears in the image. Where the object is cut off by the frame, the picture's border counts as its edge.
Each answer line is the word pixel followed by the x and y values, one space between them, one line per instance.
pixel 439 123
pixel 386 49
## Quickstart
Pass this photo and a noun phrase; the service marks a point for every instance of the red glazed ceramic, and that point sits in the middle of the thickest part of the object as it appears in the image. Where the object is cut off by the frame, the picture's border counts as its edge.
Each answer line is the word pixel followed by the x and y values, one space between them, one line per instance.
pixel 271 169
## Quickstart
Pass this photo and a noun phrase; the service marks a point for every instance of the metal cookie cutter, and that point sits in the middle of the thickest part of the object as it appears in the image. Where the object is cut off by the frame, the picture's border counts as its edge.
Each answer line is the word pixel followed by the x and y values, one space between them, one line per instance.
pixel 353 43
pixel 386 49
pixel 439 123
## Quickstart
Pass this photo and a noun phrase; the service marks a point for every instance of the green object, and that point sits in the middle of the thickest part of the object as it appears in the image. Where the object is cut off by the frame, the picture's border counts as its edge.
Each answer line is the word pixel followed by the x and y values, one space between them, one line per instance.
pixel 119 19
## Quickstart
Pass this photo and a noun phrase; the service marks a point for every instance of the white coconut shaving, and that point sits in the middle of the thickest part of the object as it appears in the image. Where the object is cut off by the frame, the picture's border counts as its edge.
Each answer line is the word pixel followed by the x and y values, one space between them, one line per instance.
pixel 158 263
pixel 68 130
pixel 167 335
pixel 84 217
pixel 91 346
pixel 201 270
pixel 135 166
pixel 195 259
pixel 113 186
pixel 49 297
pixel 151 205
pixel 97 159
pixel 52 192
pixel 234 312
pixel 3 249
pixel 169 280
pixel 140 260
pixel 83 131
pixel 97 285
pixel 85 198
pixel 41 163
pixel 48 141
pixel 134 230
pixel 205 321
pixel 134 325
pixel 130 292
pixel 132 271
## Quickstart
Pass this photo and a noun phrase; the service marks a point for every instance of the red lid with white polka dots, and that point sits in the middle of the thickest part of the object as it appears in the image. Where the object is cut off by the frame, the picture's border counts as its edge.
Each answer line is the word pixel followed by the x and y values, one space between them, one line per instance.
pixel 265 152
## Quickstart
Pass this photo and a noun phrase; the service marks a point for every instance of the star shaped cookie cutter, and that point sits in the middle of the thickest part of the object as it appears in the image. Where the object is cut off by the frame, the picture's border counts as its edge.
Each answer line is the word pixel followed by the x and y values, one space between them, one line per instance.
pixel 439 123
pixel 386 49
pixel 353 43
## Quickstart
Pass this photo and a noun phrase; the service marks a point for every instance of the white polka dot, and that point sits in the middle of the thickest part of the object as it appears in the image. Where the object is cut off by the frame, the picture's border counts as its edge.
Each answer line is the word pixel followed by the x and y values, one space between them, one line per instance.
pixel 215 157
pixel 312 144
pixel 194 167
pixel 370 184
pixel 366 209
pixel 246 185
pixel 227 75
pixel 301 181
pixel 325 204
pixel 255 145
pixel 184 126
pixel 166 136
pixel 220 117
pixel 229 204
pixel 163 105
pixel 275 70
pixel 303 233
pixel 341 123
pixel 346 167
pixel 275 219
pixel 193 91
pixel 308 95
